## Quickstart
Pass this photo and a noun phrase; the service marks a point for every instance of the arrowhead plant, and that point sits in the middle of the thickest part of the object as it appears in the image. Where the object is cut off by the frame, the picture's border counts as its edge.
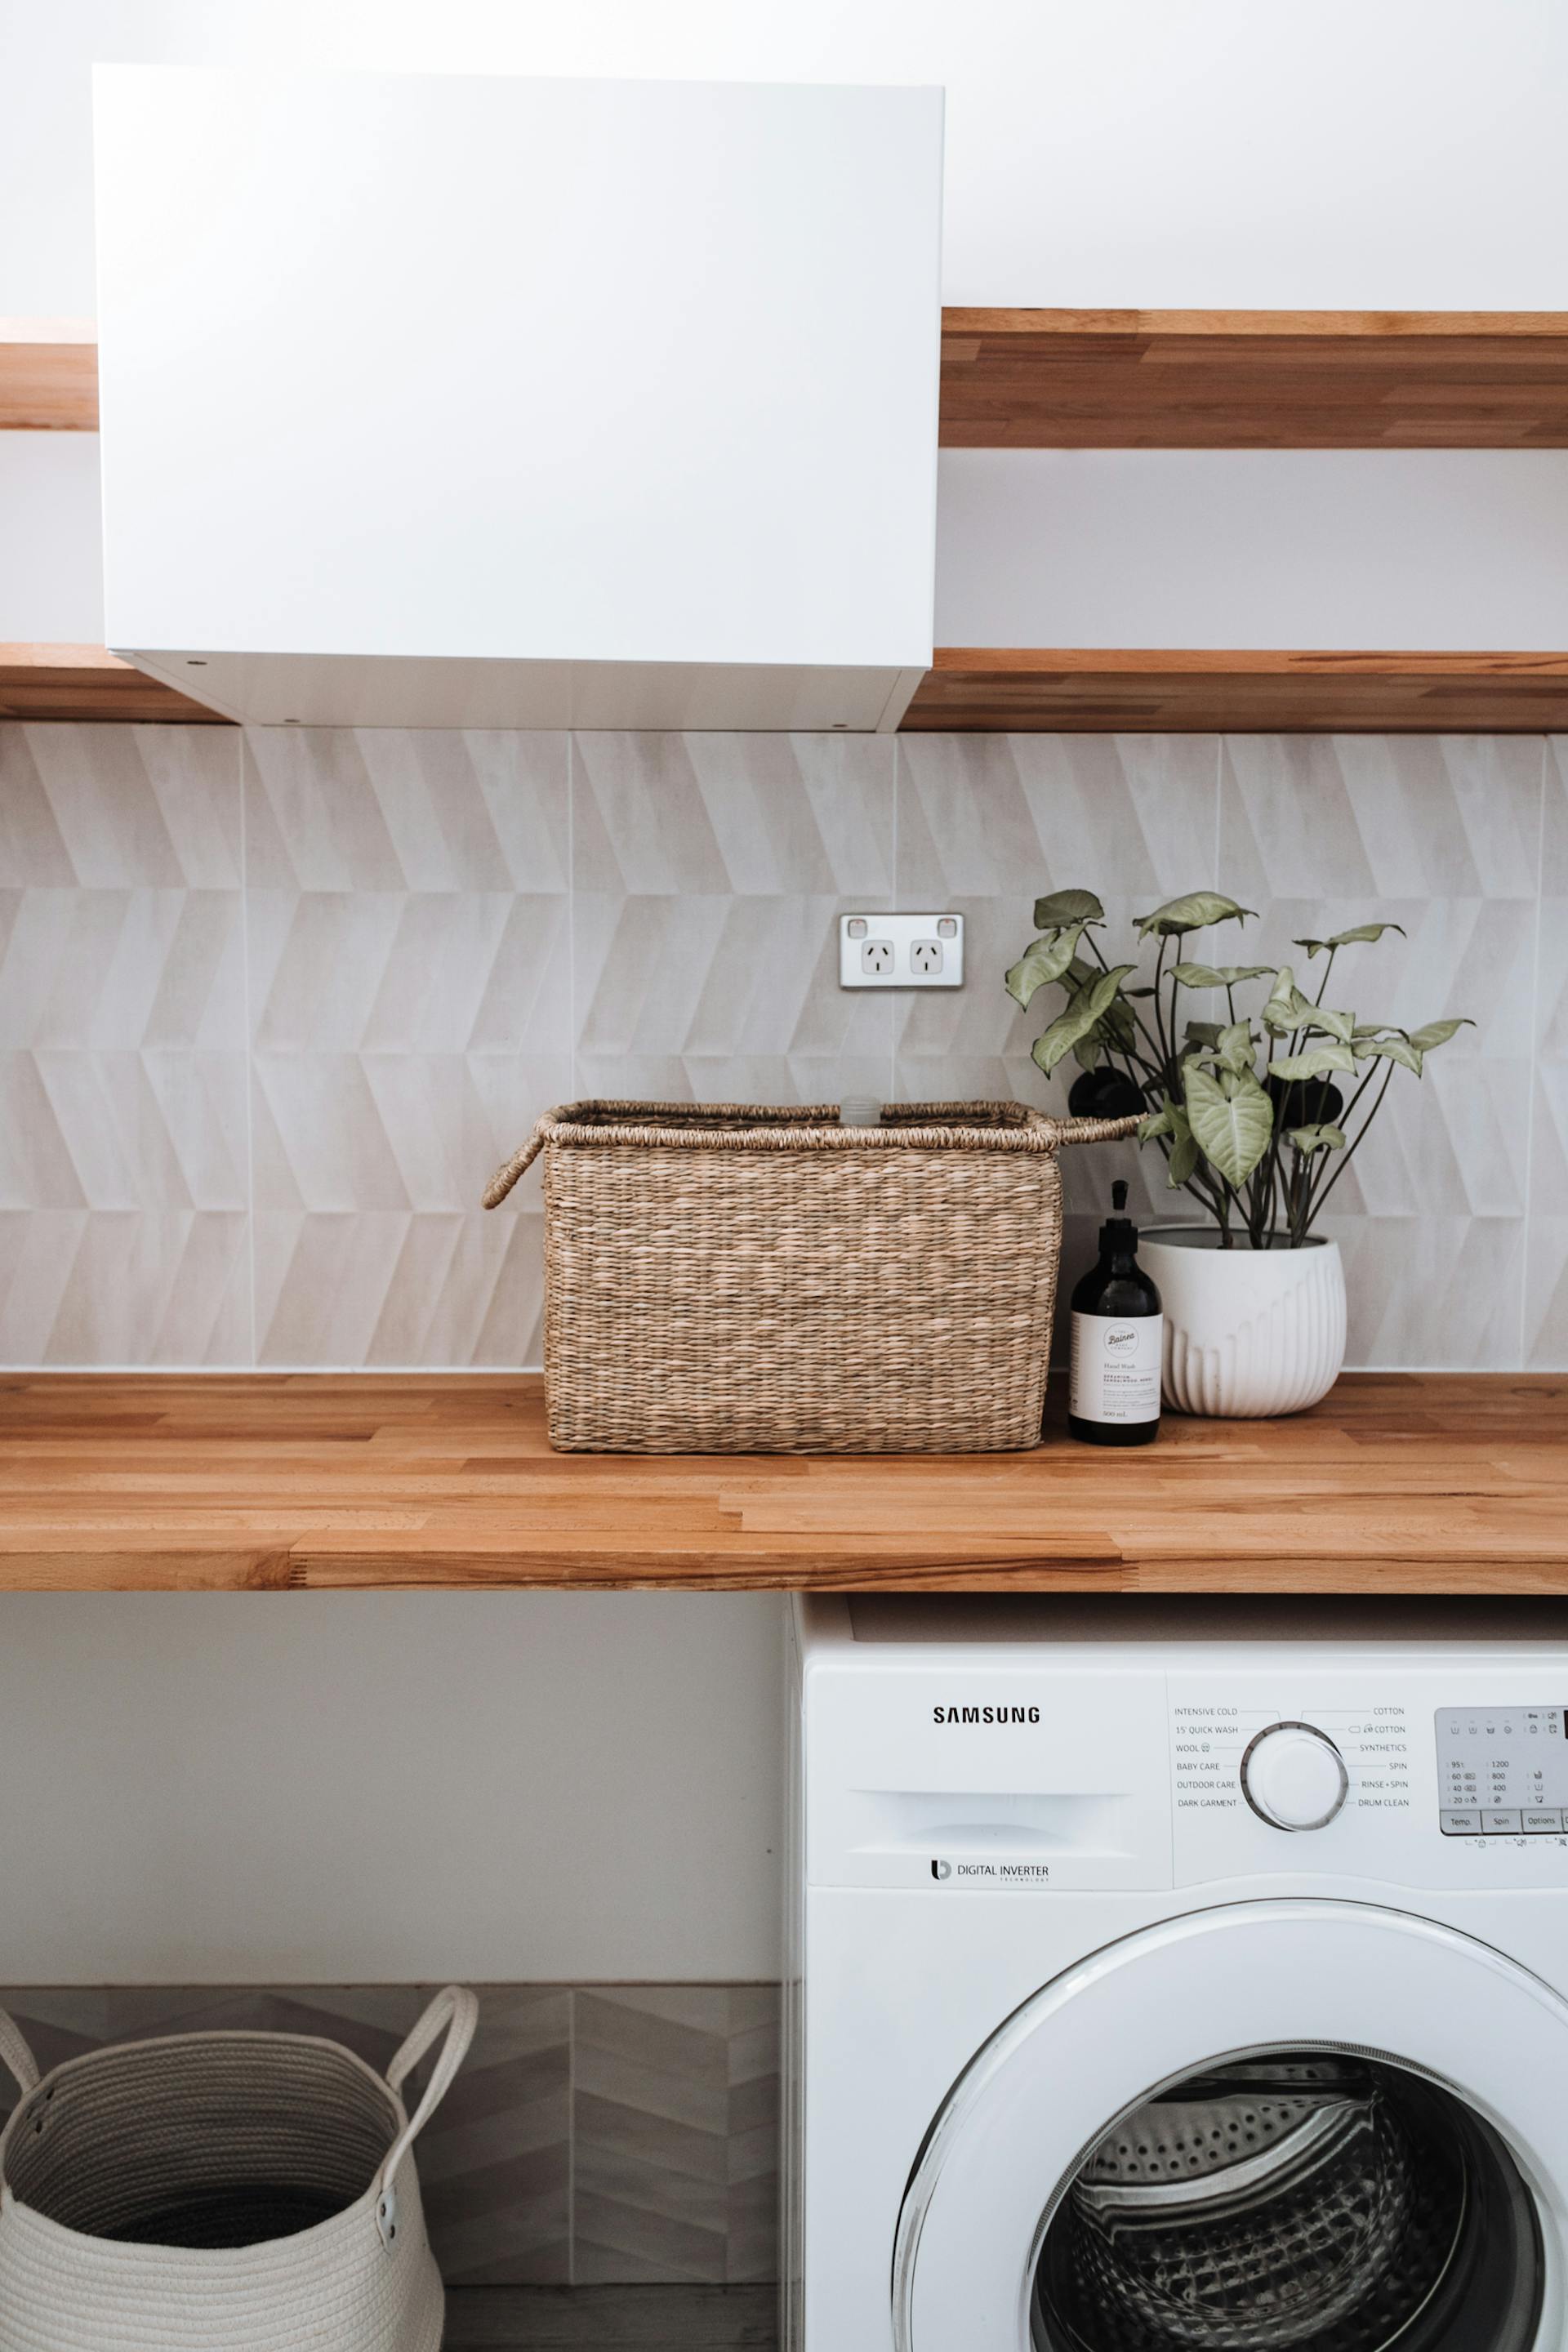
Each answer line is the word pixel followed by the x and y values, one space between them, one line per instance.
pixel 1257 1115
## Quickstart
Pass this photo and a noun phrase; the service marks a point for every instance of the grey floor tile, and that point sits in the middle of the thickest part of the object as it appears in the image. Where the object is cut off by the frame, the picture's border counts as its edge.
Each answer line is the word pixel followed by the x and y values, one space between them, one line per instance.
pixel 613 2319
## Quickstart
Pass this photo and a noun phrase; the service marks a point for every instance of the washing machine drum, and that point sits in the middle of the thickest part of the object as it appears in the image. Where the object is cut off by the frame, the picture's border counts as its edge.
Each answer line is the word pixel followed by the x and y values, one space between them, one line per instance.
pixel 1295 2201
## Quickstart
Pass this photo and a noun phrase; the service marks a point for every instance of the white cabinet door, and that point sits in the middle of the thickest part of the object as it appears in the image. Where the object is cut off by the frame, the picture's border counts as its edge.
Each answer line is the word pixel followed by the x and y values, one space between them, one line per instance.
pixel 520 401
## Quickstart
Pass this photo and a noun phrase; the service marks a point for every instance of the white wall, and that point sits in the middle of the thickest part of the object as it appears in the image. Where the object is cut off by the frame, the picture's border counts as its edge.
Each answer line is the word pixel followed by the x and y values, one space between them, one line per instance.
pixel 1358 548
pixel 329 1788
pixel 1266 154
pixel 51 547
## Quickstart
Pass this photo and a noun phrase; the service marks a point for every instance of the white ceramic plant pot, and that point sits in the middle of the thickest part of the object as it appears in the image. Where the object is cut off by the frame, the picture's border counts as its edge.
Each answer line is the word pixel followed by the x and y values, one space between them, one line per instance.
pixel 1248 1333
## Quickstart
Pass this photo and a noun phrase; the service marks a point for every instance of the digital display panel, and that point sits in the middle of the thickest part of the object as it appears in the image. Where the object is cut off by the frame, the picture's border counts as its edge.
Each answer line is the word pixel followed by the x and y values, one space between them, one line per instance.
pixel 1503 1771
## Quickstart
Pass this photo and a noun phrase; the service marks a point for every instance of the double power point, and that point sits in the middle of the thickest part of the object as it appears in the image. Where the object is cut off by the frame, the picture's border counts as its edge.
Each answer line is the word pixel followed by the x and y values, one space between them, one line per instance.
pixel 900 951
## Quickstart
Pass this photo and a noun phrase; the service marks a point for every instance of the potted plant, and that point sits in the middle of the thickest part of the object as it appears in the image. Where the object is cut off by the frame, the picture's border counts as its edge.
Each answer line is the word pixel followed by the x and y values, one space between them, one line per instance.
pixel 1254 1299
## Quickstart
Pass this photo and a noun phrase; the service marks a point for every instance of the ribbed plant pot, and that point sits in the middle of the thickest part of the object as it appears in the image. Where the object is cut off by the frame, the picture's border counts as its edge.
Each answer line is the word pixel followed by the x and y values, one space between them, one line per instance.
pixel 1248 1333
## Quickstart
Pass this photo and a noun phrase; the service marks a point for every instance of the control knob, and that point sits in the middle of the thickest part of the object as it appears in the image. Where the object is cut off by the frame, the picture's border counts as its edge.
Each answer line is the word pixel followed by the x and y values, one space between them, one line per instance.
pixel 1294 1777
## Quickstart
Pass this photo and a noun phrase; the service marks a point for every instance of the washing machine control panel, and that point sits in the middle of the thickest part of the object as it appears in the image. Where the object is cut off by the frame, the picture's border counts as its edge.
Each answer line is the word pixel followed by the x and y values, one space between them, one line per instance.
pixel 1370 1773
pixel 1503 1771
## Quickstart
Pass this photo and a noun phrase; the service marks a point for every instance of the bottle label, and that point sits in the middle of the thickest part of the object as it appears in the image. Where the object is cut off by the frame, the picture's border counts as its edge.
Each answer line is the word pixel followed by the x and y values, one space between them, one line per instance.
pixel 1116 1367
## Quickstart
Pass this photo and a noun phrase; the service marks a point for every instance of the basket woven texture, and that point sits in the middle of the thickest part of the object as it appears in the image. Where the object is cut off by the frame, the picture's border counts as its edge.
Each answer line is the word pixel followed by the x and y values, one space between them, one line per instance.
pixel 737 1279
pixel 221 2192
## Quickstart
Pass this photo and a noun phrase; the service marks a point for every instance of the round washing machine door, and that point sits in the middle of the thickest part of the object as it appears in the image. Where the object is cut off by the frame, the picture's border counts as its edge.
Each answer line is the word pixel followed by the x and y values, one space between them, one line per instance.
pixel 1293 2127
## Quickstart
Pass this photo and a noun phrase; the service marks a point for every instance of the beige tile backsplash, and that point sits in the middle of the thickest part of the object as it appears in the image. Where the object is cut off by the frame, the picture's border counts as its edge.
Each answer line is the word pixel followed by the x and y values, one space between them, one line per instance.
pixel 272 1004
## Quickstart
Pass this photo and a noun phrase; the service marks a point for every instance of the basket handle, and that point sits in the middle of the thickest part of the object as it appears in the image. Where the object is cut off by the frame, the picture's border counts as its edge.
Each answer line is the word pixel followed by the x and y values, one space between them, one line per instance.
pixel 506 1176
pixel 454 2012
pixel 14 2050
pixel 1092 1130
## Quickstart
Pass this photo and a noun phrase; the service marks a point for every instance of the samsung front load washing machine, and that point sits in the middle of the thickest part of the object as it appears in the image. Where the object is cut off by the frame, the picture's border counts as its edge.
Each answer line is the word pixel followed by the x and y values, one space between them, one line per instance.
pixel 1178 1978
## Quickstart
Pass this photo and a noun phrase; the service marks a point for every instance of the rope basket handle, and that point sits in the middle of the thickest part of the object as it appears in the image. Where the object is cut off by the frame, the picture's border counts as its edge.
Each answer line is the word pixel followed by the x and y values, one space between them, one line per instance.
pixel 505 1177
pixel 809 1131
pixel 16 2054
pixel 455 2012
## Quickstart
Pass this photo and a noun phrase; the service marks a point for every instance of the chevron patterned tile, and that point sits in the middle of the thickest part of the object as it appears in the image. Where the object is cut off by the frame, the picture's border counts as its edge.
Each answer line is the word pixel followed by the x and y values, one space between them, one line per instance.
pixel 708 873
pixel 989 823
pixel 410 993
pixel 119 808
pixel 124 1174
pixel 675 2107
pixel 1441 835
pixel 1546 1277
pixel 754 817
pixel 406 809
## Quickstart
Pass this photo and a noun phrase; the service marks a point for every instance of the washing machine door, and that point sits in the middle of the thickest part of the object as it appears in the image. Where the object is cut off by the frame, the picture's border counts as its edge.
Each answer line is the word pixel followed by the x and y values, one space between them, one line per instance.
pixel 1290 2126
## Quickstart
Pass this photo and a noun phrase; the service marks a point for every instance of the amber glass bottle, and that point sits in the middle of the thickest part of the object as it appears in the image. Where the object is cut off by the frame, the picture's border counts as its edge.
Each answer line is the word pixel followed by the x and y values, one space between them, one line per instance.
pixel 1118 1332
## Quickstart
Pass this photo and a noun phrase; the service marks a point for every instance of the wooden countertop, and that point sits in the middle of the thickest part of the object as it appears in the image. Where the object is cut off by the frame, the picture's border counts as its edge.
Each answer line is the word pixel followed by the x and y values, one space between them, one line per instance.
pixel 1397 1483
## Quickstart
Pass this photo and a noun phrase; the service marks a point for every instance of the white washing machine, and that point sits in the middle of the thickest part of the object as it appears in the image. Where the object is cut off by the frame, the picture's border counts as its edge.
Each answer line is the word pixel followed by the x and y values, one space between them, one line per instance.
pixel 1173 1977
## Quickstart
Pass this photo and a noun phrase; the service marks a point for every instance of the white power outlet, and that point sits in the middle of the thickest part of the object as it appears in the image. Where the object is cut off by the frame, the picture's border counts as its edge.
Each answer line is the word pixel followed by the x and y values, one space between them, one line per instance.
pixel 900 951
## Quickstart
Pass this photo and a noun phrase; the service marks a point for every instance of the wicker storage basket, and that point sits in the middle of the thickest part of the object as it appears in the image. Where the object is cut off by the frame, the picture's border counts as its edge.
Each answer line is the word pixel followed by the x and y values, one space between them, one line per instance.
pixel 221 2192
pixel 734 1279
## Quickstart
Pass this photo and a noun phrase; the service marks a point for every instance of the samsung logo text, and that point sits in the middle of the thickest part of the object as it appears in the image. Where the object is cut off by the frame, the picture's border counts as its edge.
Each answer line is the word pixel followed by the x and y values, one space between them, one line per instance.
pixel 985 1715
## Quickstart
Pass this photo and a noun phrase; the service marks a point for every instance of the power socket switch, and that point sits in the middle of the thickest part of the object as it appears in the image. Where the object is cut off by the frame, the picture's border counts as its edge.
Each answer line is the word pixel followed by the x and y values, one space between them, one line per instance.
pixel 900 951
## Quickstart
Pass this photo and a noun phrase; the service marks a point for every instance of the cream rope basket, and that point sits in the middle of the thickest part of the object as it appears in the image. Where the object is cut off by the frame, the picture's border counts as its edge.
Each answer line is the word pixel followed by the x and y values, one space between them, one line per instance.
pixel 222 2193
pixel 730 1278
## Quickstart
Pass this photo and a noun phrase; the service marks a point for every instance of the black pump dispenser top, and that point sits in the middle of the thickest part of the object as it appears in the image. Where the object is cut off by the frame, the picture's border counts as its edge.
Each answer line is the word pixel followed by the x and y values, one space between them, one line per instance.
pixel 1119 1234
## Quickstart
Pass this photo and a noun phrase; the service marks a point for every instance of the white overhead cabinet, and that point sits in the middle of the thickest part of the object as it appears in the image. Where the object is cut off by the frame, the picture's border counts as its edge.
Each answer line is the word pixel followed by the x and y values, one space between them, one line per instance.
pixel 434 401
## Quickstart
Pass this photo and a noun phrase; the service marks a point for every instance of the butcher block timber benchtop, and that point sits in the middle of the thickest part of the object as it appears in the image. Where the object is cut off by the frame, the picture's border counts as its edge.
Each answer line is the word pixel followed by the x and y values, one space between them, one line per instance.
pixel 1395 1483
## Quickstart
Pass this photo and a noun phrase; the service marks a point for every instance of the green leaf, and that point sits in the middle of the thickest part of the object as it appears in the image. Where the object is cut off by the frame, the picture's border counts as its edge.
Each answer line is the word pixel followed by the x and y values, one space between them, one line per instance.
pixel 1315 1064
pixel 1372 932
pixel 1436 1032
pixel 1065 906
pixel 1235 1047
pixel 1307 1139
pixel 1169 1119
pixel 1182 1161
pixel 1184 1157
pixel 1334 1025
pixel 1082 1014
pixel 1203 1033
pixel 1046 961
pixel 1287 1009
pixel 1117 1026
pixel 1217 975
pixel 1232 1120
pixel 1193 912
pixel 1392 1049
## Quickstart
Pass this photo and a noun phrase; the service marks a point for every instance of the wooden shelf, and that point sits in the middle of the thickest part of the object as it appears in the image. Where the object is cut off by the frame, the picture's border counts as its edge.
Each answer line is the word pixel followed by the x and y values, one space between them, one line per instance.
pixel 977 688
pixel 998 689
pixel 1397 1484
pixel 49 375
pixel 1255 380
pixel 83 682
pixel 1122 379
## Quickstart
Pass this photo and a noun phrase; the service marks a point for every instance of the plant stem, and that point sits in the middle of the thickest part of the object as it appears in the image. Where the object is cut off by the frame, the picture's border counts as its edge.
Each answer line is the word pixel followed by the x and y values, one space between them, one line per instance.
pixel 1326 969
pixel 1323 1193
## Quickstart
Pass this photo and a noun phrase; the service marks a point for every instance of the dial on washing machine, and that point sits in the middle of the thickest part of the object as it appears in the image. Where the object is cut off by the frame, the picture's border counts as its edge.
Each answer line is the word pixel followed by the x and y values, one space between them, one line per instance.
pixel 1294 1777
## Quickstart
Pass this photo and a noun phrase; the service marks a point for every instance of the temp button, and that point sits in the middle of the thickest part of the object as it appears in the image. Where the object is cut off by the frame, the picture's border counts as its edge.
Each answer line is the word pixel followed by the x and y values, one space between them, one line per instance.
pixel 1550 1822
pixel 1460 1825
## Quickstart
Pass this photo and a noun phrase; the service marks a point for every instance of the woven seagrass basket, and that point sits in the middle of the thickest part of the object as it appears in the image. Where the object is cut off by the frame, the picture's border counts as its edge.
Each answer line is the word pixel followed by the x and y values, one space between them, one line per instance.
pixel 731 1280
